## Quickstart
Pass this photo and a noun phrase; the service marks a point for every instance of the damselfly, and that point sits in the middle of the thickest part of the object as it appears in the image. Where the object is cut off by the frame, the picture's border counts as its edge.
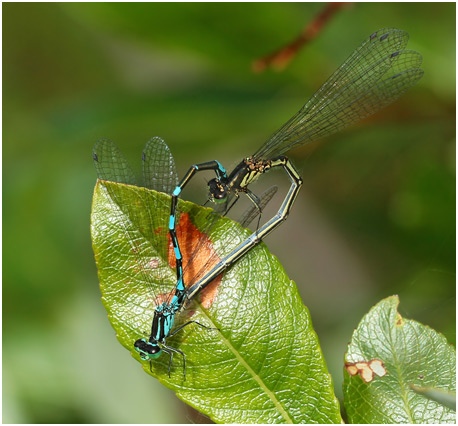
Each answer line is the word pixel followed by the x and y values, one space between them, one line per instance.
pixel 148 281
pixel 375 75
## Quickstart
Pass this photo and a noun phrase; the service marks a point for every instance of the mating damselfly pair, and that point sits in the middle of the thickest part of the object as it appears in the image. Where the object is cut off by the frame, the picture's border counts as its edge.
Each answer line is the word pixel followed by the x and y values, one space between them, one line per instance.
pixel 375 75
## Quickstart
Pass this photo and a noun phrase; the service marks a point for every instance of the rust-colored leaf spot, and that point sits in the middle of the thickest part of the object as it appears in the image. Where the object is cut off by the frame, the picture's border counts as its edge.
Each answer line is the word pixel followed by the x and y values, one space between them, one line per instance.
pixel 195 246
pixel 399 320
pixel 366 369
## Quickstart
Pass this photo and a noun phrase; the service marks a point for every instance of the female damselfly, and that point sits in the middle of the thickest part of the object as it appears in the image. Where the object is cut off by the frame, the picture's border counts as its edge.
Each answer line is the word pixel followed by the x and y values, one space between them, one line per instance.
pixel 375 75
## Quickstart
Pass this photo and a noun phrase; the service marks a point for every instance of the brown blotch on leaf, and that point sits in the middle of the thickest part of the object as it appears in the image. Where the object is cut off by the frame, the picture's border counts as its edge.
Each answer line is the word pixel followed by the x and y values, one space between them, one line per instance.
pixel 366 369
pixel 399 321
pixel 203 258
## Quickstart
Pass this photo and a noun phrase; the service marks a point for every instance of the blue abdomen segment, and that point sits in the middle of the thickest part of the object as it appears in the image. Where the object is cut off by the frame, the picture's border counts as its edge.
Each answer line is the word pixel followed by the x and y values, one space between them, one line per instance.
pixel 221 171
pixel 177 252
pixel 180 286
pixel 172 222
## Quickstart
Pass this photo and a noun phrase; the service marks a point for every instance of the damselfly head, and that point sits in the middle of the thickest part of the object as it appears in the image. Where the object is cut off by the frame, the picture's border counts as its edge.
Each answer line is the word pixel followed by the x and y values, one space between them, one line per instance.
pixel 147 350
pixel 217 191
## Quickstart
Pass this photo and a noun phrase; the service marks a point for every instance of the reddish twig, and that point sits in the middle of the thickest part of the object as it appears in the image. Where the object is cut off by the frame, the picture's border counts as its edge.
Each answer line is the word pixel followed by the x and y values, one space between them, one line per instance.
pixel 280 58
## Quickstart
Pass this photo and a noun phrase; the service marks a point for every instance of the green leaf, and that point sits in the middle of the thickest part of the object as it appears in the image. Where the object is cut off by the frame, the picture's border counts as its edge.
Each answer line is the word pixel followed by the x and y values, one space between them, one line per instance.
pixel 404 353
pixel 263 364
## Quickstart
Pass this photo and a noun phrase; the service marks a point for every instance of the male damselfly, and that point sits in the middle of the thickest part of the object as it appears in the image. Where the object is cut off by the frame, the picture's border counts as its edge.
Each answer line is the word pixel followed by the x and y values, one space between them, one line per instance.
pixel 141 223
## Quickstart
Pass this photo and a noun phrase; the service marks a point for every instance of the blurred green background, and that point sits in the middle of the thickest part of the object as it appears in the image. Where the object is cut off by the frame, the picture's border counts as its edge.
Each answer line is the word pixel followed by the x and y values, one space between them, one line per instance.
pixel 376 216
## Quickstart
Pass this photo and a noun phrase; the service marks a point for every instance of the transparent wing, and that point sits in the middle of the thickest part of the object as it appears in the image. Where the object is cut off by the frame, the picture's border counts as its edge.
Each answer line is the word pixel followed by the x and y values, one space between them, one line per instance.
pixel 111 164
pixel 252 211
pixel 138 224
pixel 352 93
pixel 159 170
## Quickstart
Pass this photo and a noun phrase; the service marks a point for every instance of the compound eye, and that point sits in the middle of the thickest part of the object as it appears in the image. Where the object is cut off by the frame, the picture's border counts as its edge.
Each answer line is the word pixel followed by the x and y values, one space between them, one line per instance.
pixel 147 350
pixel 140 345
pixel 154 349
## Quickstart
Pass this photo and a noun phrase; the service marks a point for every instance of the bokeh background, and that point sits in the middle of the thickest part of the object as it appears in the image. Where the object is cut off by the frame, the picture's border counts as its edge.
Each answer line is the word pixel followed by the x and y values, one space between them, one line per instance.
pixel 376 216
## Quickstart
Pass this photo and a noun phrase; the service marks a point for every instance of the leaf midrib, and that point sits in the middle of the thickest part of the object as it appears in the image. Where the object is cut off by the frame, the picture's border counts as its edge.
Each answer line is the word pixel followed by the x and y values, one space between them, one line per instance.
pixel 402 384
pixel 255 376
